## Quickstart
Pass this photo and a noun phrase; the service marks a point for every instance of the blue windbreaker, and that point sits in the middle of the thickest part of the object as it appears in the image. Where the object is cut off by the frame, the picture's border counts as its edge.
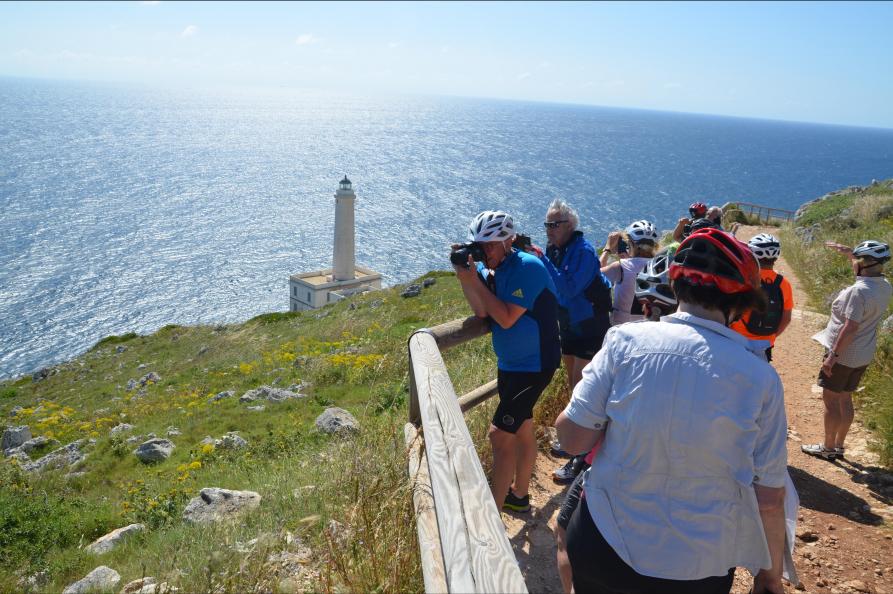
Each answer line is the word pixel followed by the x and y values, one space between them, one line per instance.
pixel 572 269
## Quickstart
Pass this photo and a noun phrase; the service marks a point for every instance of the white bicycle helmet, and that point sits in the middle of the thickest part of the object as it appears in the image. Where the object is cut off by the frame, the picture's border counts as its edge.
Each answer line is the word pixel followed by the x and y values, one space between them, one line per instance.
pixel 642 231
pixel 878 250
pixel 491 225
pixel 765 246
pixel 653 283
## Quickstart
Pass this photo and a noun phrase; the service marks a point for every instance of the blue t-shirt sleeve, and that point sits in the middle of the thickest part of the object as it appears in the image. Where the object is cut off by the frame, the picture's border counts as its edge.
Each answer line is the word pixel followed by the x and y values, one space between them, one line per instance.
pixel 526 283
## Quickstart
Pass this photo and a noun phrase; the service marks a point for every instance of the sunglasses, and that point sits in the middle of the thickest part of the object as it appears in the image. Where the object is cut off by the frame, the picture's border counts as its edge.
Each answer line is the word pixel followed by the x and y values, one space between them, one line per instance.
pixel 553 224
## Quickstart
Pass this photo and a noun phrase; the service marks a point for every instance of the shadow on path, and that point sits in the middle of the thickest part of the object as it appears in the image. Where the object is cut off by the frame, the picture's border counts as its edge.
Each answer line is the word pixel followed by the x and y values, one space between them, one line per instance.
pixel 822 496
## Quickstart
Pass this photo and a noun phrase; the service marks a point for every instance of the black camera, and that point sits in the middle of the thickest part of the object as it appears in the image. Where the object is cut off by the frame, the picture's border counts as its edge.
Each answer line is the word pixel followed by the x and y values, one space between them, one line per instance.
pixel 522 242
pixel 459 256
pixel 622 246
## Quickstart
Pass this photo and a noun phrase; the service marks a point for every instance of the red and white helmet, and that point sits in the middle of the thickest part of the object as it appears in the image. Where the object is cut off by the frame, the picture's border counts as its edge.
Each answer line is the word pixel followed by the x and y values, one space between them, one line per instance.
pixel 697 210
pixel 713 258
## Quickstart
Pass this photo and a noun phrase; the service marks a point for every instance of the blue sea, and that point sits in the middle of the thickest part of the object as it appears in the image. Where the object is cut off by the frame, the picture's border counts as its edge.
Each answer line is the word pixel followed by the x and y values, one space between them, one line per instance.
pixel 124 209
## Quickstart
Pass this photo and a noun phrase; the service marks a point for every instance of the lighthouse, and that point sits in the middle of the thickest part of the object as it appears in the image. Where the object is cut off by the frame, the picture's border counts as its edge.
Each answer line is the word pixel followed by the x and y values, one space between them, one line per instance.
pixel 310 290
pixel 344 260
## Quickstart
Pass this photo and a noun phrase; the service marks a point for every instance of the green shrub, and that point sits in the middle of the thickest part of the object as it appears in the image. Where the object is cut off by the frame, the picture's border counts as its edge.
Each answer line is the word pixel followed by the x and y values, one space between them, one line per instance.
pixel 116 339
pixel 829 208
pixel 278 316
pixel 34 521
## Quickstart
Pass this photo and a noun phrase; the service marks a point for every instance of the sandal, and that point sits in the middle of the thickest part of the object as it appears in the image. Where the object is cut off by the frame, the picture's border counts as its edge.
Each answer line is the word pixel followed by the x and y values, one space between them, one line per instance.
pixel 820 451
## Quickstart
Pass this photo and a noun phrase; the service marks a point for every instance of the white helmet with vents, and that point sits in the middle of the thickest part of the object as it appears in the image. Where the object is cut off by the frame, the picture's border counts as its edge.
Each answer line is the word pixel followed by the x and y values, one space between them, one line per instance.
pixel 491 225
pixel 765 246
pixel 653 283
pixel 878 250
pixel 642 231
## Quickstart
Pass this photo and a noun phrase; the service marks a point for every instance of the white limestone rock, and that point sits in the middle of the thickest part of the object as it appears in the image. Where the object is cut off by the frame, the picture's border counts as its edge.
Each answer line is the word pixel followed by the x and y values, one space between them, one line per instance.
pixel 154 450
pixel 14 437
pixel 222 395
pixel 269 393
pixel 106 543
pixel 120 428
pixel 64 456
pixel 214 504
pixel 231 441
pixel 101 579
pixel 336 420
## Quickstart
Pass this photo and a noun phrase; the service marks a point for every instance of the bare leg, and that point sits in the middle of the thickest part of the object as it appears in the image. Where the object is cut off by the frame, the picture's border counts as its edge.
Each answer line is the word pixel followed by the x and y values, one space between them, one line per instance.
pixel 525 442
pixel 832 416
pixel 504 446
pixel 579 364
pixel 564 563
pixel 845 399
pixel 569 362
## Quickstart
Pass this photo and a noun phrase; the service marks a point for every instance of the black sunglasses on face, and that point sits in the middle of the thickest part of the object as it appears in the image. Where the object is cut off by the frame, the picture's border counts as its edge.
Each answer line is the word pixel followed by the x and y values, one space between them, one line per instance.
pixel 553 224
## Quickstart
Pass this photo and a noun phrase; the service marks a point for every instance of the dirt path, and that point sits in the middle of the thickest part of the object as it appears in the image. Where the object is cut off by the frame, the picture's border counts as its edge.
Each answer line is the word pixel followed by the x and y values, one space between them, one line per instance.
pixel 845 539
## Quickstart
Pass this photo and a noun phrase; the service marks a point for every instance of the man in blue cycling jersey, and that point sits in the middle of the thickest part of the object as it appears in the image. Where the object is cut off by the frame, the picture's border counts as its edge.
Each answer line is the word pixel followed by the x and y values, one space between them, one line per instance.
pixel 514 291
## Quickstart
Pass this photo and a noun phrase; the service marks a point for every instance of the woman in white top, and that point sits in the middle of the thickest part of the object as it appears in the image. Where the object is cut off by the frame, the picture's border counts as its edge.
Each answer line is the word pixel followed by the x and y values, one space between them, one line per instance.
pixel 622 273
pixel 691 475
pixel 850 339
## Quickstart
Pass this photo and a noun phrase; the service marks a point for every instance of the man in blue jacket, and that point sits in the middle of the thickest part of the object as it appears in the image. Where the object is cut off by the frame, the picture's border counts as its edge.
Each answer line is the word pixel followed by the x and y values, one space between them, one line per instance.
pixel 573 265
pixel 513 290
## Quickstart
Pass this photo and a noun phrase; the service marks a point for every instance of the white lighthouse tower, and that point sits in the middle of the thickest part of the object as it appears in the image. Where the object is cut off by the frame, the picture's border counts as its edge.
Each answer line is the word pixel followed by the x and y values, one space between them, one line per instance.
pixel 344 260
pixel 309 290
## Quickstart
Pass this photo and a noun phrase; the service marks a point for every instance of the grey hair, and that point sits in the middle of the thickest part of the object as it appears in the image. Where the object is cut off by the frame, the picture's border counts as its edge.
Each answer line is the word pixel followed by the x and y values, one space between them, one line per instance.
pixel 714 210
pixel 565 210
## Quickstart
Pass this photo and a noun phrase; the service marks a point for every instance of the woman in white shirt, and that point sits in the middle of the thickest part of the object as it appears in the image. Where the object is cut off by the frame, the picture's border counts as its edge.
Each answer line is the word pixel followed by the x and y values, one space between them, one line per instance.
pixel 622 273
pixel 850 339
pixel 689 482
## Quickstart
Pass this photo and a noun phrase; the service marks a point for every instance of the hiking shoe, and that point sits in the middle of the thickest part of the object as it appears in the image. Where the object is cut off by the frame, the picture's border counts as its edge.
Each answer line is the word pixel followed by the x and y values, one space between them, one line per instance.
pixel 517 504
pixel 820 451
pixel 567 473
pixel 555 450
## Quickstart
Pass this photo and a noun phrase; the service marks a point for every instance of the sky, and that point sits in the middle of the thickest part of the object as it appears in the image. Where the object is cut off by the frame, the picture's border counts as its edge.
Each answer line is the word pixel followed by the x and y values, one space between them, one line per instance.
pixel 822 62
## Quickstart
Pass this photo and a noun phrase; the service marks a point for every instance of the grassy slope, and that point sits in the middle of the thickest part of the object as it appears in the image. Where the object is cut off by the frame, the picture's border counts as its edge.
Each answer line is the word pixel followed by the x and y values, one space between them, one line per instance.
pixel 849 218
pixel 354 358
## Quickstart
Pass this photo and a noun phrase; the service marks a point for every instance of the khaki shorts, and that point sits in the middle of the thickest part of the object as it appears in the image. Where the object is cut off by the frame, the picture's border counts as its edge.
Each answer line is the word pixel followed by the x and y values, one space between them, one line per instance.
pixel 843 378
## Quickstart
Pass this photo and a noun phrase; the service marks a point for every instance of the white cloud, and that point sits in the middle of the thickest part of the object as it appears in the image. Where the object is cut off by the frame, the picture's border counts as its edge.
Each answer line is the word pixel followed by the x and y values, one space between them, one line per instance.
pixel 189 31
pixel 524 76
pixel 672 85
pixel 445 49
pixel 393 44
pixel 306 39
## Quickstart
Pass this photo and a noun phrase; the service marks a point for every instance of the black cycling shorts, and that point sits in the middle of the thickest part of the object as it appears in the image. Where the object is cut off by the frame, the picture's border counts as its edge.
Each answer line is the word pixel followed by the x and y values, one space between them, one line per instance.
pixel 584 339
pixel 597 568
pixel 518 393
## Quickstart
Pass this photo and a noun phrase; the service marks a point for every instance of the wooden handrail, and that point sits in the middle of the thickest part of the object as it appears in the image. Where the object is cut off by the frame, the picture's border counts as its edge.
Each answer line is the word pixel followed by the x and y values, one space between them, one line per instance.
pixel 462 540
pixel 446 335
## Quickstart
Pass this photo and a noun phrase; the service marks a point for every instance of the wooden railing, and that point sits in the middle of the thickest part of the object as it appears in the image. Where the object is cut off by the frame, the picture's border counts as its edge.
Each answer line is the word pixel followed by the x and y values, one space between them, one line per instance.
pixel 763 214
pixel 463 544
